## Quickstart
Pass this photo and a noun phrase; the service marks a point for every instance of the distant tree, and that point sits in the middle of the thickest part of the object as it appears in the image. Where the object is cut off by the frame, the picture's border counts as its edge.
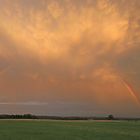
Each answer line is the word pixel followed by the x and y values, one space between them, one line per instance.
pixel 110 117
pixel 27 116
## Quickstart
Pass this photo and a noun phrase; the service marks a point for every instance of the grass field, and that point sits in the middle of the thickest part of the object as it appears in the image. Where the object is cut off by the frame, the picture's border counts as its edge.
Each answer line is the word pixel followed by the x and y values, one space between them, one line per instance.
pixel 68 130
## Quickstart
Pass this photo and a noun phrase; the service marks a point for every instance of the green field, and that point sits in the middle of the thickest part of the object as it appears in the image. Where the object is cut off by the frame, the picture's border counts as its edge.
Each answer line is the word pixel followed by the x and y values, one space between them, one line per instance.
pixel 68 130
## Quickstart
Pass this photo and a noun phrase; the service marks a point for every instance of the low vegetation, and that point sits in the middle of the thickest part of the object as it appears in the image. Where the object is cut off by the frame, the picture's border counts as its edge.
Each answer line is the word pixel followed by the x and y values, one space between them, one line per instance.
pixel 69 130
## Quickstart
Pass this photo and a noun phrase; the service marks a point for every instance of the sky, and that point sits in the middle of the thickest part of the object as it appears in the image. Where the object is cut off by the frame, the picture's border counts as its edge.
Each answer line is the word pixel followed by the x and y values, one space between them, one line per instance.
pixel 70 57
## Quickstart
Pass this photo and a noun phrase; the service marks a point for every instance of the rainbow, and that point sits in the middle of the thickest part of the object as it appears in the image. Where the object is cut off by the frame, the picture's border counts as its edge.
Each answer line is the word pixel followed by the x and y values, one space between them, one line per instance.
pixel 131 91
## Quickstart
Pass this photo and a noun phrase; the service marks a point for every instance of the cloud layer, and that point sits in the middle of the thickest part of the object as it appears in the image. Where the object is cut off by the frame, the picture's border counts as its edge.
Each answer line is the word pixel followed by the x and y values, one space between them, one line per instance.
pixel 73 51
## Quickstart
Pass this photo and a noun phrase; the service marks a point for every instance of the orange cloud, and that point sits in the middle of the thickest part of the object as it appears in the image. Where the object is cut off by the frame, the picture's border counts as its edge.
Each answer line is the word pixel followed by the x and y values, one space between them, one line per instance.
pixel 65 50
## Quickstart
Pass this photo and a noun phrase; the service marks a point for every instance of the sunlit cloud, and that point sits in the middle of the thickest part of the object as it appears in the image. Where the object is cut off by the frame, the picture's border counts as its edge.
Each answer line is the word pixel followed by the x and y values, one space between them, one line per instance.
pixel 68 50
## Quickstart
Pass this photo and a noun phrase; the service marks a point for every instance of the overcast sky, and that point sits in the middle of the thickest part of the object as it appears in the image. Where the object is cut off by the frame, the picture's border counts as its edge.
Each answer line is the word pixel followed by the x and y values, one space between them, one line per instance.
pixel 70 57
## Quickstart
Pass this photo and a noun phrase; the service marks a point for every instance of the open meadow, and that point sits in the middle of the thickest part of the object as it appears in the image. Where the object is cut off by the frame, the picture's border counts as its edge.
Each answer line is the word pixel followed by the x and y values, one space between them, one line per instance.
pixel 69 130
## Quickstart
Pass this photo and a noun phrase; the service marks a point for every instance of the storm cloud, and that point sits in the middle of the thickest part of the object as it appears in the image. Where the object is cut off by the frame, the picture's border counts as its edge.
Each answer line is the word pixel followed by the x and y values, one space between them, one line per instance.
pixel 72 54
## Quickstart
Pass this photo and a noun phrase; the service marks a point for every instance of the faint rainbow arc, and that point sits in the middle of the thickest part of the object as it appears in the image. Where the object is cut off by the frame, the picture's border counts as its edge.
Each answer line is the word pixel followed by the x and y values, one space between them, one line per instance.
pixel 131 91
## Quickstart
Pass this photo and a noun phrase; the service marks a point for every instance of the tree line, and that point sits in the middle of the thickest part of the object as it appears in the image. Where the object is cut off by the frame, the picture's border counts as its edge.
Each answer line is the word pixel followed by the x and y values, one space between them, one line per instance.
pixel 30 116
pixel 25 116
